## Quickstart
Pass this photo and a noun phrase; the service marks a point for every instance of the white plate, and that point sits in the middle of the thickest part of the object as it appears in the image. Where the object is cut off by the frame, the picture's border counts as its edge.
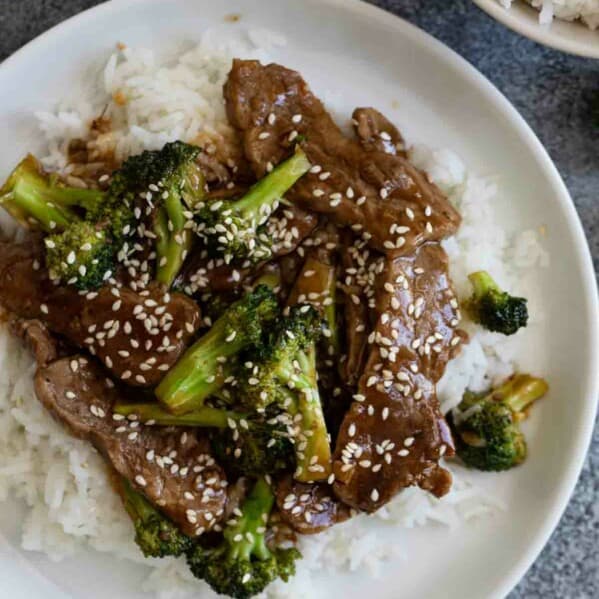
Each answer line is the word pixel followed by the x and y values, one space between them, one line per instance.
pixel 575 37
pixel 366 56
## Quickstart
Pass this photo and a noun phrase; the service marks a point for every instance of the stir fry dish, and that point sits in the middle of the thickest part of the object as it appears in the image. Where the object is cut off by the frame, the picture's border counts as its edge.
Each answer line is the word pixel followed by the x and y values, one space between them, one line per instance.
pixel 252 341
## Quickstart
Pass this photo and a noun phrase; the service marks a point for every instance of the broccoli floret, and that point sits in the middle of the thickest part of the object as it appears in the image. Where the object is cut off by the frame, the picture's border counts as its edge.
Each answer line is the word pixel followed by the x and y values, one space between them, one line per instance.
pixel 155 534
pixel 254 445
pixel 232 228
pixel 175 182
pixel 266 370
pixel 205 366
pixel 282 371
pixel 78 251
pixel 494 309
pixel 173 169
pixel 81 255
pixel 486 426
pixel 245 444
pixel 170 176
pixel 178 185
pixel 242 565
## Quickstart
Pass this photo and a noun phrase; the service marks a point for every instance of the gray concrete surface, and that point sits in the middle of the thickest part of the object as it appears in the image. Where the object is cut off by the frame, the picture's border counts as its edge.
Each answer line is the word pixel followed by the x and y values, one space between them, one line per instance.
pixel 559 97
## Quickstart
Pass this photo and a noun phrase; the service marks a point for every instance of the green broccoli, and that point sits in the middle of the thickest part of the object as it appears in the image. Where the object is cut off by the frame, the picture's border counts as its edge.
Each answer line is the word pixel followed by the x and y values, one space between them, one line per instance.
pixel 486 427
pixel 282 371
pixel 155 534
pixel 233 228
pixel 173 177
pixel 242 565
pixel 494 309
pixel 254 445
pixel 80 255
pixel 36 199
pixel 77 251
pixel 245 444
pixel 204 416
pixel 87 229
pixel 205 366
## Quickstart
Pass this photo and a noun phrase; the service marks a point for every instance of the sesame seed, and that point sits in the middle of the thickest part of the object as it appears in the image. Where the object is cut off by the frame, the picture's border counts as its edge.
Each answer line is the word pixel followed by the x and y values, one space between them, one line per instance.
pixel 140 480
pixel 374 495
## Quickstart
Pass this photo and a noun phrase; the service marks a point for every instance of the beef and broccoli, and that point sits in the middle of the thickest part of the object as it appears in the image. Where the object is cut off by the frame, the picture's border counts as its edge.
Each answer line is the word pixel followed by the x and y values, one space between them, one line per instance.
pixel 257 359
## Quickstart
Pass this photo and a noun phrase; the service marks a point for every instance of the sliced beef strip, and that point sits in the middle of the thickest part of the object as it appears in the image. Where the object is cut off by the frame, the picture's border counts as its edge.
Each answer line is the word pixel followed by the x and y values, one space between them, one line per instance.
pixel 394 433
pixel 37 338
pixel 381 196
pixel 309 508
pixel 172 467
pixel 356 265
pixel 222 158
pixel 290 226
pixel 376 133
pixel 138 336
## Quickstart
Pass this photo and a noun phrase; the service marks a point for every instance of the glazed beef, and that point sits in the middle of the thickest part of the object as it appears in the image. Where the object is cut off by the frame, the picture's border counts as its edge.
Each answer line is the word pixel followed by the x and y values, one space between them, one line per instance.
pixel 309 508
pixel 376 133
pixel 172 467
pixel 394 433
pixel 37 338
pixel 138 336
pixel 356 265
pixel 380 195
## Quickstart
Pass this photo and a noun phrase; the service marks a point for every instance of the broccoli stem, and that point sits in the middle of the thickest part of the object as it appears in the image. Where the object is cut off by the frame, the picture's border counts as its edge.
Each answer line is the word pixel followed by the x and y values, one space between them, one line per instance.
pixel 261 200
pixel 313 449
pixel 171 247
pixel 202 417
pixel 30 194
pixel 330 314
pixel 482 283
pixel 246 539
pixel 520 391
pixel 201 371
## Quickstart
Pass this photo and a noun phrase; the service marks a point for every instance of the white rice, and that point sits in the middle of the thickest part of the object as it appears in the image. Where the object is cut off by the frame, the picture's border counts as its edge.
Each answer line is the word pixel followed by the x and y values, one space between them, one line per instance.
pixel 569 10
pixel 63 480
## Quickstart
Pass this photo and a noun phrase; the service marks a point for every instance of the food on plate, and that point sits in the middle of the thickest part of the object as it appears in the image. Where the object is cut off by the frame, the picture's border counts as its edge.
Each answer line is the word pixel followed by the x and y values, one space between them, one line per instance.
pixel 494 309
pixel 241 564
pixel 570 10
pixel 486 425
pixel 253 337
